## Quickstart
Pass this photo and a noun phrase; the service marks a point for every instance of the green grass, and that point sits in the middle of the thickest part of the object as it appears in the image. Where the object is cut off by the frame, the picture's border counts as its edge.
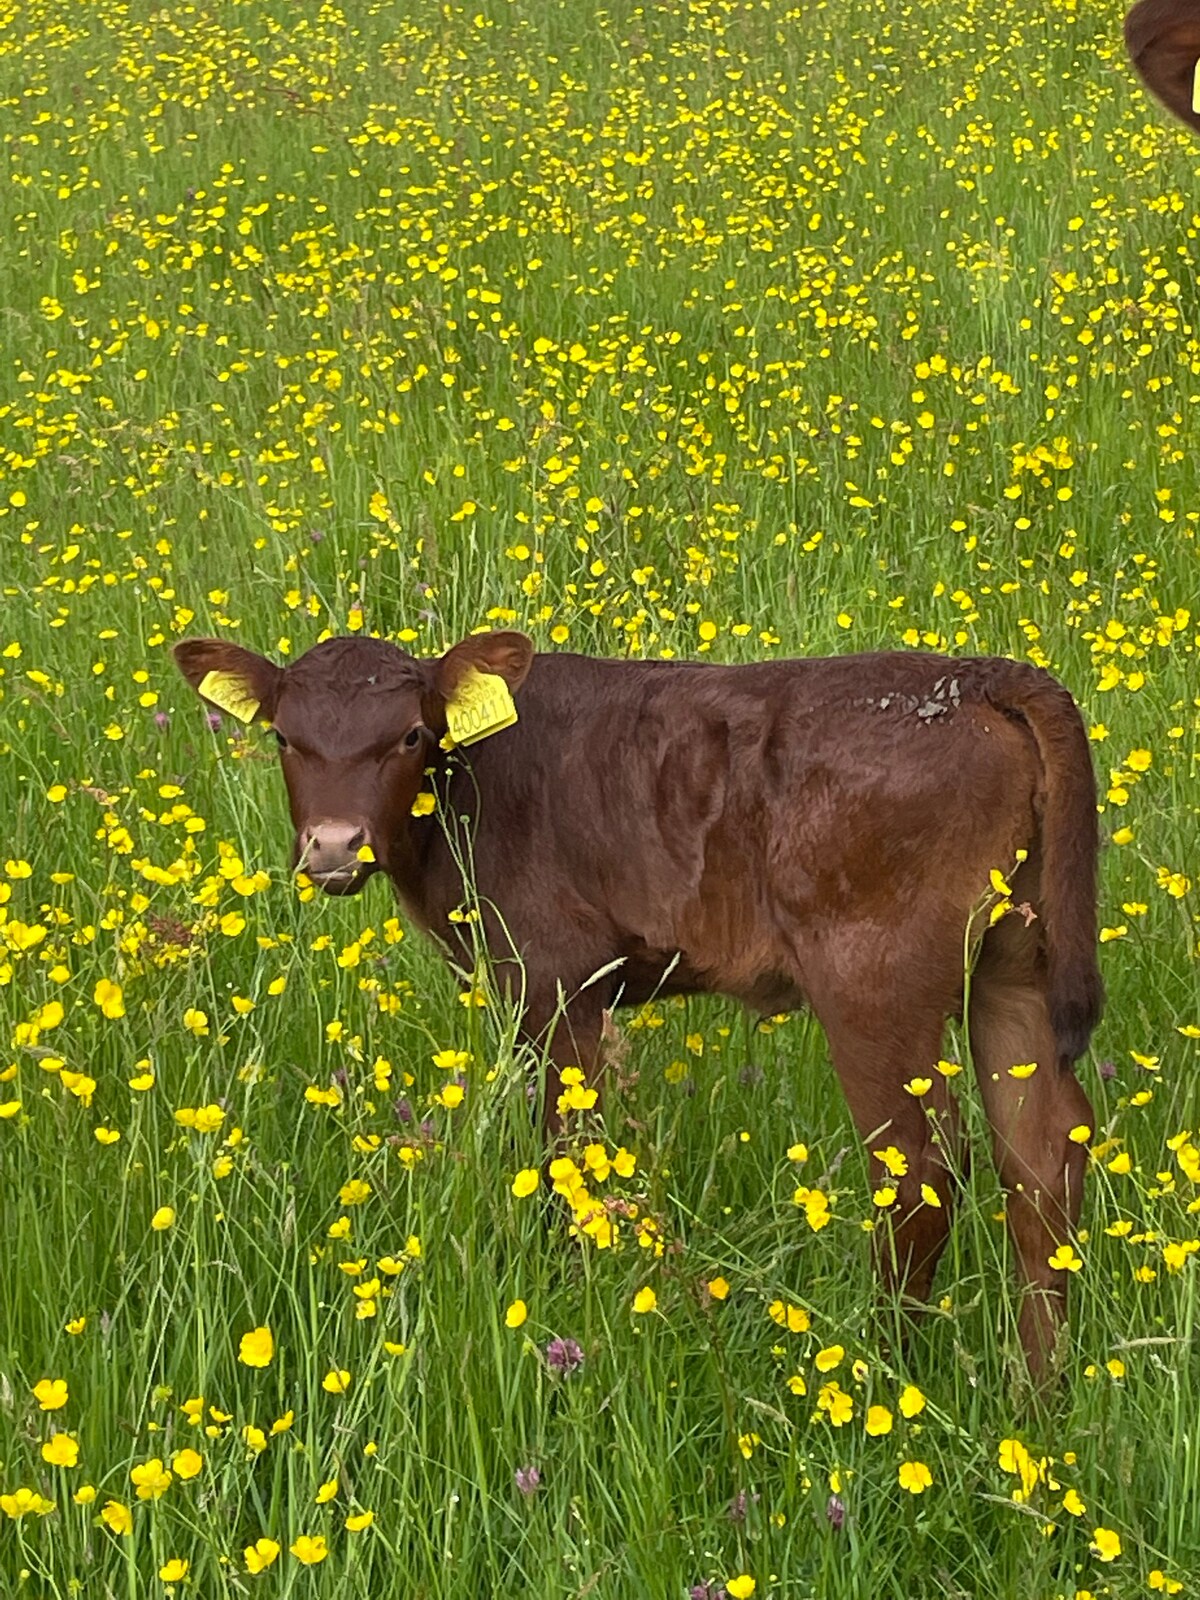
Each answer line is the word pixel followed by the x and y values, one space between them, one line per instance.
pixel 732 328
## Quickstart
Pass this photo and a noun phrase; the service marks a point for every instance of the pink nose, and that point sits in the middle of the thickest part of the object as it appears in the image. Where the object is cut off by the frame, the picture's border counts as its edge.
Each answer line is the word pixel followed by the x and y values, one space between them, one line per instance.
pixel 328 850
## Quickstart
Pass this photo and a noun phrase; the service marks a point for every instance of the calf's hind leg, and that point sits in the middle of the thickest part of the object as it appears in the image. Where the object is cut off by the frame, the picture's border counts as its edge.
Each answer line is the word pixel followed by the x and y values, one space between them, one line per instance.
pixel 876 1053
pixel 1032 1115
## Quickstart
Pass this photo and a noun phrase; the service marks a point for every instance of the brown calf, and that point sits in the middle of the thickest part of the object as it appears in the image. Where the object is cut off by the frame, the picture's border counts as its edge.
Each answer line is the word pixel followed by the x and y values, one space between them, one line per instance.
pixel 816 832
pixel 1163 40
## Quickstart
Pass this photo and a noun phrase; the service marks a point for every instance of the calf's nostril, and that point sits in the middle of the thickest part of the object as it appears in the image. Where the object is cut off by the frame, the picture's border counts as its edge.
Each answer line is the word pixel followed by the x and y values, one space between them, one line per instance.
pixel 357 841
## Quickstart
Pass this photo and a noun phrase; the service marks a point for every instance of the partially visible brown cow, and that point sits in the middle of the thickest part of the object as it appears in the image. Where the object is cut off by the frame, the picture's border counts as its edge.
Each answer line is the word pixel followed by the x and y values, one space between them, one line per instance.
pixel 1163 40
pixel 815 832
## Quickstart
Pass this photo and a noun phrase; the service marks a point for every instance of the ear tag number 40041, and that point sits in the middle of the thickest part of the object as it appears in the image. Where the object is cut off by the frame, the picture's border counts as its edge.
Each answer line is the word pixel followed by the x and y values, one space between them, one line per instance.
pixel 480 705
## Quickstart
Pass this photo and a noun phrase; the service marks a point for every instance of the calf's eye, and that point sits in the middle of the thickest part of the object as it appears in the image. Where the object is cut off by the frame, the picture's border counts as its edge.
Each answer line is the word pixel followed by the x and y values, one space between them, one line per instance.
pixel 413 737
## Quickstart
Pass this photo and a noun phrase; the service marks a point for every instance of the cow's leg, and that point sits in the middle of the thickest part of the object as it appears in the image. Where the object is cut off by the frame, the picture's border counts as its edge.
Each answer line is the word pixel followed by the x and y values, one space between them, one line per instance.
pixel 571 1039
pixel 883 1054
pixel 1033 1116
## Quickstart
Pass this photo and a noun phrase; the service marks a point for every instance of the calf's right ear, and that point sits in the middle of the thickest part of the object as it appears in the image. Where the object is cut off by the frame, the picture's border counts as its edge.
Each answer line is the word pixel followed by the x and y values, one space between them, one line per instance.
pixel 1163 40
pixel 239 682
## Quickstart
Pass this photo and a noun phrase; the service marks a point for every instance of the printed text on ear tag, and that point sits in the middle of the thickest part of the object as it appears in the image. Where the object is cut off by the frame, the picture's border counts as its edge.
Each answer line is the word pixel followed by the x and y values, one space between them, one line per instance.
pixel 230 692
pixel 480 705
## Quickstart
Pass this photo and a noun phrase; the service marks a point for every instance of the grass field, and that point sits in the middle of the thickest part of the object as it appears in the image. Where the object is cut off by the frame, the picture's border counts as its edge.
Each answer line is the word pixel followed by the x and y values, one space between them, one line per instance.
pixel 726 326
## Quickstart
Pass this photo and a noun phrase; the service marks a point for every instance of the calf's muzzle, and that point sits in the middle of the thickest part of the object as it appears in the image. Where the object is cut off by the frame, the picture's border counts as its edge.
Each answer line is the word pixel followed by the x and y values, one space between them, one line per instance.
pixel 328 852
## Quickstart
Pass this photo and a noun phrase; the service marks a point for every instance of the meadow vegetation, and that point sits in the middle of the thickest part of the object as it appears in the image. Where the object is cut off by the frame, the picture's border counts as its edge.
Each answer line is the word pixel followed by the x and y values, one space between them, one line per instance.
pixel 734 327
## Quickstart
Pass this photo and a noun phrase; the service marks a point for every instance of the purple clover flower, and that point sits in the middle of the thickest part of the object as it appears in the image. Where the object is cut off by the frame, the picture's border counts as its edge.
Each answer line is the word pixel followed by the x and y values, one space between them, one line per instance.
pixel 563 1356
pixel 740 1505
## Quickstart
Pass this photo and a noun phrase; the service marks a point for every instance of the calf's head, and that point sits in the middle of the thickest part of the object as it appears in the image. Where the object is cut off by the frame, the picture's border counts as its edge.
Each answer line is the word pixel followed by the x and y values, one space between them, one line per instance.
pixel 357 722
pixel 1163 40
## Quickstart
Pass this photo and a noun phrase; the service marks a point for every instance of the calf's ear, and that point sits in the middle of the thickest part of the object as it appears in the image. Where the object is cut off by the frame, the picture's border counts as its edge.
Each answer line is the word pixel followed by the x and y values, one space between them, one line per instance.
pixel 1163 40
pixel 236 681
pixel 507 655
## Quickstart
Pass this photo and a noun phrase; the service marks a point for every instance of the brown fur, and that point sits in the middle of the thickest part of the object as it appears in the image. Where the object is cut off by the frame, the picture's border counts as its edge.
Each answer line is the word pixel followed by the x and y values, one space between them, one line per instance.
pixel 1163 40
pixel 815 832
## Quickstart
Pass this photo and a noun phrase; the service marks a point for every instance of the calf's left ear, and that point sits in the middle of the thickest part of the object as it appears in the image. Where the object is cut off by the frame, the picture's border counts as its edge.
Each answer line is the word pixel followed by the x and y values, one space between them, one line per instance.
pixel 239 682
pixel 506 655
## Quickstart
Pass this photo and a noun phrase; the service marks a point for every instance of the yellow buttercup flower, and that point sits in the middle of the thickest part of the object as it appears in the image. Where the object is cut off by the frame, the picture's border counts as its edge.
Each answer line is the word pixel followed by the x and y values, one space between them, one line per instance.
pixel 24 1503
pixel 256 1348
pixel 1106 1544
pixel 151 1479
pixel 912 1401
pixel 51 1393
pixel 61 1450
pixel 309 1550
pixel 187 1464
pixel 110 998
pixel 914 1476
pixel 1064 1259
pixel 259 1555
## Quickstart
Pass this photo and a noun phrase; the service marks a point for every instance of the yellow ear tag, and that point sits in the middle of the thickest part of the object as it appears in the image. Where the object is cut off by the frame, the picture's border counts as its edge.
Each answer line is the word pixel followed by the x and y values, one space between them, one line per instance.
pixel 229 691
pixel 1196 89
pixel 480 705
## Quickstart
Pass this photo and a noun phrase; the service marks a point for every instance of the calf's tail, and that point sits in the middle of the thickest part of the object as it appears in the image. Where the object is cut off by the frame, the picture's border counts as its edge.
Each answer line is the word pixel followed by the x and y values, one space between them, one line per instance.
pixel 1070 840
